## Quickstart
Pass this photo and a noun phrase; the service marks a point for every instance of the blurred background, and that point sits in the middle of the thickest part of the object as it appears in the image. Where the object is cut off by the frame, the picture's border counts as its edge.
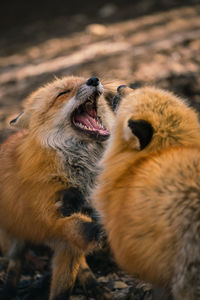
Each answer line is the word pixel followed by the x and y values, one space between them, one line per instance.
pixel 139 41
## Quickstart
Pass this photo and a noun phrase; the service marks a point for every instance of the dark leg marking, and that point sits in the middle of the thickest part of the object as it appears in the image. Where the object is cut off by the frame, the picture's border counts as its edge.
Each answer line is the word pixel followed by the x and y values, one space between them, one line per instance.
pixel 72 201
pixel 91 231
pixel 90 284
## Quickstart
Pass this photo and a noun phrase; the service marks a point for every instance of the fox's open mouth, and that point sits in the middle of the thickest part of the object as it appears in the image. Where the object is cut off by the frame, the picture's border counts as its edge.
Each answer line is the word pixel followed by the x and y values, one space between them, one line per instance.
pixel 85 119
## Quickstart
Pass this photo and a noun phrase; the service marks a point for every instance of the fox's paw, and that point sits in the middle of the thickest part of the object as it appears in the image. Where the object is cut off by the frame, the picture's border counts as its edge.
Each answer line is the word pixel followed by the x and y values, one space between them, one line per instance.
pixel 91 231
pixel 80 231
pixel 72 201
pixel 96 290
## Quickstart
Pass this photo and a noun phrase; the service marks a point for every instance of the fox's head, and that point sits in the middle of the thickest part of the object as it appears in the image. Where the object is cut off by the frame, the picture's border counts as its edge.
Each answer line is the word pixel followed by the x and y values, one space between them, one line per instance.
pixel 67 108
pixel 151 119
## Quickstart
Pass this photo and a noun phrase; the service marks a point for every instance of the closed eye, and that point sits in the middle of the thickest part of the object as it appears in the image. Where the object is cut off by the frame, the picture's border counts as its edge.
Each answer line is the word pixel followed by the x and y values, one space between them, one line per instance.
pixel 63 93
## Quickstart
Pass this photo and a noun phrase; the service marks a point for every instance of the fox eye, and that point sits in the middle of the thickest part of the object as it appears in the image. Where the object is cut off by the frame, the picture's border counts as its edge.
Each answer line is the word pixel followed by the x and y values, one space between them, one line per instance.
pixel 63 93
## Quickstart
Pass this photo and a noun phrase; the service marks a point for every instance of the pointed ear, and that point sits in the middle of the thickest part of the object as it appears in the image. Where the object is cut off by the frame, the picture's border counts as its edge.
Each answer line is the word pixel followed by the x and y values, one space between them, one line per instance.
pixel 142 132
pixel 124 90
pixel 21 121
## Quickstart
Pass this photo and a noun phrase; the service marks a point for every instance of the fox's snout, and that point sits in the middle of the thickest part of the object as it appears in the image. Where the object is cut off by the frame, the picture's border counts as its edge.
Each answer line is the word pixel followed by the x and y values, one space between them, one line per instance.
pixel 91 88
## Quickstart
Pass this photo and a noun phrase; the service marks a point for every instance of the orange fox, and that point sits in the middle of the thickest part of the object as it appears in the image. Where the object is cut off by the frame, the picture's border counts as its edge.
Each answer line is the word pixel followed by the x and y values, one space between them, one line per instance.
pixel 148 194
pixel 65 125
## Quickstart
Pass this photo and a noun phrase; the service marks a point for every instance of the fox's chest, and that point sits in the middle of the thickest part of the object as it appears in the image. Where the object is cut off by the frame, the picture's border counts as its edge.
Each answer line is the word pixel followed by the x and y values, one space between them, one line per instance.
pixel 81 164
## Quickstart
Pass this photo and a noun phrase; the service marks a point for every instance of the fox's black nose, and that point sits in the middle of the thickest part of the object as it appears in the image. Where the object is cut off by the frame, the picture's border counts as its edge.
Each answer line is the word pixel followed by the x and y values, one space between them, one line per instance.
pixel 94 81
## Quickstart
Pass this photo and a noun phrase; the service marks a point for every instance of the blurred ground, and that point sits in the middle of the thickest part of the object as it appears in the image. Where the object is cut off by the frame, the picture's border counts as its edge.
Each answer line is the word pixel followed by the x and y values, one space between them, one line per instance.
pixel 142 42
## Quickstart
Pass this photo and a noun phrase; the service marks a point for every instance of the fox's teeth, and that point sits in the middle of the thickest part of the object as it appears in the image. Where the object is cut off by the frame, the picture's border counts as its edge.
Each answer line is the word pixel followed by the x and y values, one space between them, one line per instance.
pixel 79 124
pixel 85 127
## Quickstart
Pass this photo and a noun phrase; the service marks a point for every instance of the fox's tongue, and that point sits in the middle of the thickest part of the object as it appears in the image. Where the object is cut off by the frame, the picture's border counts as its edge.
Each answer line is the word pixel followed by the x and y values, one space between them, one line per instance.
pixel 92 124
pixel 90 109
pixel 85 119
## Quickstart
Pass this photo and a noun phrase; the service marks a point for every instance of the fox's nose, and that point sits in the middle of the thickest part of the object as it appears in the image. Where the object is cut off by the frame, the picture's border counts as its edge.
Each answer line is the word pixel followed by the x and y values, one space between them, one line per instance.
pixel 94 81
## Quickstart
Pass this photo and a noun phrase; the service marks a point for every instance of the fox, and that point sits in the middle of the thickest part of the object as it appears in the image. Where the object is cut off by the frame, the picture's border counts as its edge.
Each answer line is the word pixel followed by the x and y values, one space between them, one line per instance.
pixel 52 160
pixel 148 191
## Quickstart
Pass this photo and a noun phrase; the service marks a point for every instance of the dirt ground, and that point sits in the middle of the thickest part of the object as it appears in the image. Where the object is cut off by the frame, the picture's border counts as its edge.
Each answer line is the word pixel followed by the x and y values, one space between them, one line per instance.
pixel 136 42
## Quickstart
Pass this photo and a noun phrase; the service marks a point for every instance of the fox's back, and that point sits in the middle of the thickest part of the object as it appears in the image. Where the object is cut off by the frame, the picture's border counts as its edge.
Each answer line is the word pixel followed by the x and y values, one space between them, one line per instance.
pixel 158 212
pixel 19 191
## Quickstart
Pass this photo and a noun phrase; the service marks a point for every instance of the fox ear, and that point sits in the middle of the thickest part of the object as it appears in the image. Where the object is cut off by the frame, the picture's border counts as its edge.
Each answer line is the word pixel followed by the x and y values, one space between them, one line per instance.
pixel 21 121
pixel 142 132
pixel 124 90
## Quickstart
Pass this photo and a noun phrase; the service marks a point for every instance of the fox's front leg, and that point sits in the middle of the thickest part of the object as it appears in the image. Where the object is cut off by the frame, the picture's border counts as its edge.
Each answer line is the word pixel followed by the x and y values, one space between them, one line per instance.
pixel 78 230
pixel 65 266
pixel 73 201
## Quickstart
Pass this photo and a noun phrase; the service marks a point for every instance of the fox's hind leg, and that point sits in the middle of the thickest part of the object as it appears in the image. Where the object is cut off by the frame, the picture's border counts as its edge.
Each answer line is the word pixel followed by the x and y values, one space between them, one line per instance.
pixel 186 279
pixel 13 251
pixel 65 266
pixel 186 285
pixel 159 294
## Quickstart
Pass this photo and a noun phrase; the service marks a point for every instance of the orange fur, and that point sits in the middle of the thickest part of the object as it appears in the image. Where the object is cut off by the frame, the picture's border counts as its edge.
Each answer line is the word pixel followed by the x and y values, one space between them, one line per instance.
pixel 148 199
pixel 33 177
